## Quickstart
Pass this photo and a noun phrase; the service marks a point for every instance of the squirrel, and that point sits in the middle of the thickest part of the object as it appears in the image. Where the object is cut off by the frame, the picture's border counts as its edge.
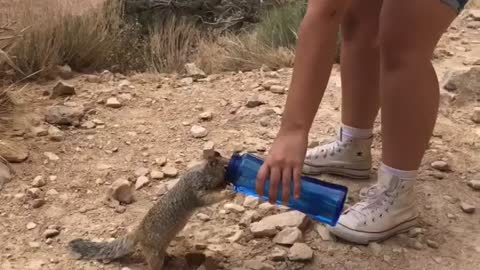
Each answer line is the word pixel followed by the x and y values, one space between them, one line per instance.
pixel 202 185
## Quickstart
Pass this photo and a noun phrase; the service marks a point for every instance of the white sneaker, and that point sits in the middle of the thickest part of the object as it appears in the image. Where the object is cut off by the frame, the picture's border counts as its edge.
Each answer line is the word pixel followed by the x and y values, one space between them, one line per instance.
pixel 388 210
pixel 347 157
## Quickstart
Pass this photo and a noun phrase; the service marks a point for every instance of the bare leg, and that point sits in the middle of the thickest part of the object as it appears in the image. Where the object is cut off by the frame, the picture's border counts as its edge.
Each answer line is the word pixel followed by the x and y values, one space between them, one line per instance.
pixel 409 33
pixel 360 58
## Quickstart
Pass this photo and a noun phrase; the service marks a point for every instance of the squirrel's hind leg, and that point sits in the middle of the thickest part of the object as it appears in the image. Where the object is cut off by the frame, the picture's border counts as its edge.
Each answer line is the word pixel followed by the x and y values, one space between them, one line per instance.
pixel 155 258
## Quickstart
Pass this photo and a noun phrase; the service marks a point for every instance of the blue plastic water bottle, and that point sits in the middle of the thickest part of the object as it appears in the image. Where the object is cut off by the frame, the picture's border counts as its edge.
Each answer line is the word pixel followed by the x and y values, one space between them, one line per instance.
pixel 320 200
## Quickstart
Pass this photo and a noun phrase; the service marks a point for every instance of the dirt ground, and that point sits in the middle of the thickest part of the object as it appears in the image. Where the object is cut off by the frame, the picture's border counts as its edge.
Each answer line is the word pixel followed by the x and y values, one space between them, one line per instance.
pixel 154 122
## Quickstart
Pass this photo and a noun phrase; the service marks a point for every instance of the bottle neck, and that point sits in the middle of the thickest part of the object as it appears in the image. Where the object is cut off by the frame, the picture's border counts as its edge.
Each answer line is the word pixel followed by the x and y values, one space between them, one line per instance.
pixel 232 172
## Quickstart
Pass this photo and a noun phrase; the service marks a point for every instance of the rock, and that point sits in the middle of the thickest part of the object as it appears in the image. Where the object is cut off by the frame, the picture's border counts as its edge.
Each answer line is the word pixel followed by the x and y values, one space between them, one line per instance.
pixel 31 226
pixel 52 192
pixel 161 161
pixel 266 206
pixel 141 172
pixel 249 217
pixel 64 115
pixel 203 217
pixel 450 86
pixel 49 233
pixel 51 156
pixel 34 245
pixel 432 244
pixel 437 175
pixel 88 125
pixel 235 237
pixel 55 134
pixel 467 84
pixel 34 193
pixel 376 248
pixel 113 102
pixel 62 89
pixel 268 226
pixel 451 216
pixel 121 191
pixel 277 89
pixel 185 81
pixel 270 83
pixel 288 236
pixel 38 181
pixel 157 175
pixel 194 71
pixel 65 72
pixel 300 252
pixel 170 184
pixel 37 203
pixel 206 116
pixel 141 182
pixel 441 166
pixel 414 232
pixel 39 131
pixel 476 115
pixel 124 84
pixel 250 202
pixel 323 232
pixel 415 244
pixel 256 264
pixel 234 207
pixel 474 184
pixel 467 208
pixel 254 101
pixel 198 131
pixel 474 14
pixel 278 255
pixel 170 171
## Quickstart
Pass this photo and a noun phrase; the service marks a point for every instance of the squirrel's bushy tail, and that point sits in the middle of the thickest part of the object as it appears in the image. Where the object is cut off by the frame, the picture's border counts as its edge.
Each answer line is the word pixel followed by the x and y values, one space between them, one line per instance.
pixel 103 250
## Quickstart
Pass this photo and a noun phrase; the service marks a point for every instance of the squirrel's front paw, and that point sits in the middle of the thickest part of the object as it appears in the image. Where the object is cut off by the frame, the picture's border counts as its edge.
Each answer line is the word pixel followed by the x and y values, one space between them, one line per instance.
pixel 227 194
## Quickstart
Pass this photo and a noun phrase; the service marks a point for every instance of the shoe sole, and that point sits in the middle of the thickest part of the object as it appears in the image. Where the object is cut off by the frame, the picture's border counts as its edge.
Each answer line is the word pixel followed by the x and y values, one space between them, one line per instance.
pixel 351 173
pixel 365 238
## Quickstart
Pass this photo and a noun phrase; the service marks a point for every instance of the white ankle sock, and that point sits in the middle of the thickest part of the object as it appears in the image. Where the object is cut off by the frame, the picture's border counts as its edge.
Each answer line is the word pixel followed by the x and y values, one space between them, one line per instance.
pixel 406 175
pixel 356 133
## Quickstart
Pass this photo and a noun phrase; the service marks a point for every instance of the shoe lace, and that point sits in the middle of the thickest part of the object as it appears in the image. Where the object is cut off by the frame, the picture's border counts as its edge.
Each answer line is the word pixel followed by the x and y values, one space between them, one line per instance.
pixel 329 149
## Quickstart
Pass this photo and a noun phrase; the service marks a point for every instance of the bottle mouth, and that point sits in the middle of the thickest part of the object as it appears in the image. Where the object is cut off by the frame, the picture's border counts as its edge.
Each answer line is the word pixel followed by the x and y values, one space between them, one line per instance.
pixel 231 173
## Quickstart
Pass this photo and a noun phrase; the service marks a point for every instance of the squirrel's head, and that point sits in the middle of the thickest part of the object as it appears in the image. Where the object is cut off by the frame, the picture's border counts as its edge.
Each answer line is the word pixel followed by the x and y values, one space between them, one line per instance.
pixel 210 172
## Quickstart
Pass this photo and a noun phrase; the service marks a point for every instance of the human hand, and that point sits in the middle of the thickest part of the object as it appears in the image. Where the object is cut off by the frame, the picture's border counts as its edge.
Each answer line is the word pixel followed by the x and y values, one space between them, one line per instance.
pixel 284 161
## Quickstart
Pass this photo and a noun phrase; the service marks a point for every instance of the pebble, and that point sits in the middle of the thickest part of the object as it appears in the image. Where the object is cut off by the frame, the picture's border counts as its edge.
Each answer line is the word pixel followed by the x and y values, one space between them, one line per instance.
pixel 141 182
pixel 34 244
pixel 141 171
pixel 203 217
pixel 65 72
pixel 161 161
pixel 157 175
pixel 55 134
pixel 52 192
pixel 254 101
pixel 234 207
pixel 257 264
pixel 414 232
pixel 288 236
pixel 51 156
pixel 206 116
pixel 34 192
pixel 376 248
pixel 250 202
pixel 37 203
pixel 432 244
pixel 113 102
pixel 120 209
pixel 437 175
pixel 416 244
pixel 88 125
pixel 277 89
pixel 39 131
pixel 49 233
pixel 39 181
pixel 121 191
pixel 235 237
pixel 451 216
pixel 31 226
pixel 64 115
pixel 278 255
pixel 268 225
pixel 194 71
pixel 467 208
pixel 248 217
pixel 323 232
pixel 170 171
pixel 300 252
pixel 474 184
pixel 441 166
pixel 198 131
pixel 266 206
pixel 270 83
pixel 476 115
pixel 62 89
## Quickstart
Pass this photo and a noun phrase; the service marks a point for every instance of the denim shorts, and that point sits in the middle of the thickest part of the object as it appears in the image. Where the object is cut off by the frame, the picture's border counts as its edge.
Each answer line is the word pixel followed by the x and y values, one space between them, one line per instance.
pixel 458 5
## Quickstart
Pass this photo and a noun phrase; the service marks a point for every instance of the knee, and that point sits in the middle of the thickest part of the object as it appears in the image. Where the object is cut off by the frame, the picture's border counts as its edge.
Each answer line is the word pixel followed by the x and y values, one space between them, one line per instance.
pixel 360 30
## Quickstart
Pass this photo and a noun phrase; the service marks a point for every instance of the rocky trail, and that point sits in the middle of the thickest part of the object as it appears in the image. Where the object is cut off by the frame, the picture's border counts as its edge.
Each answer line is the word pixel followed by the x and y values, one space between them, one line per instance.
pixel 90 135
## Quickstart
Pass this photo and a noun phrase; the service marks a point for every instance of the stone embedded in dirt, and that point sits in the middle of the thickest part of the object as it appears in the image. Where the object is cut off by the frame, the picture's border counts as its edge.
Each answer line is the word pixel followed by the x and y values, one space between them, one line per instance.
pixel 414 232
pixel 476 115
pixel 170 171
pixel 441 166
pixel 300 252
pixel 125 97
pixel 62 89
pixel 39 131
pixel 254 101
pixel 451 216
pixel 113 102
pixel 141 171
pixel 450 86
pixel 250 202
pixel 52 192
pixel 49 233
pixel 141 182
pixel 208 149
pixel 203 217
pixel 235 237
pixel 39 181
pixel 270 83
pixel 14 152
pixel 277 254
pixel 277 89
pixel 376 248
pixel 269 226
pixel 193 71
pixel 288 236
pixel 206 116
pixel 124 84
pixel 467 208
pixel 185 81
pixel 266 206
pixel 157 175
pixel 467 83
pixel 55 134
pixel 248 217
pixel 31 226
pixel 34 193
pixel 64 115
pixel 234 207
pixel 474 184
pixel 438 175
pixel 88 125
pixel 474 14
pixel 415 244
pixel 323 232
pixel 161 161
pixel 432 244
pixel 121 191
pixel 260 229
pixel 65 72
pixel 34 245
pixel 37 203
pixel 256 264
pixel 51 156
pixel 198 131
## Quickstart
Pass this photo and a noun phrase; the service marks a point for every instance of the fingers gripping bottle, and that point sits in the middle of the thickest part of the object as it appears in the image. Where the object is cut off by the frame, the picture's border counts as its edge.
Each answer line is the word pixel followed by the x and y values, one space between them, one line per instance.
pixel 320 200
